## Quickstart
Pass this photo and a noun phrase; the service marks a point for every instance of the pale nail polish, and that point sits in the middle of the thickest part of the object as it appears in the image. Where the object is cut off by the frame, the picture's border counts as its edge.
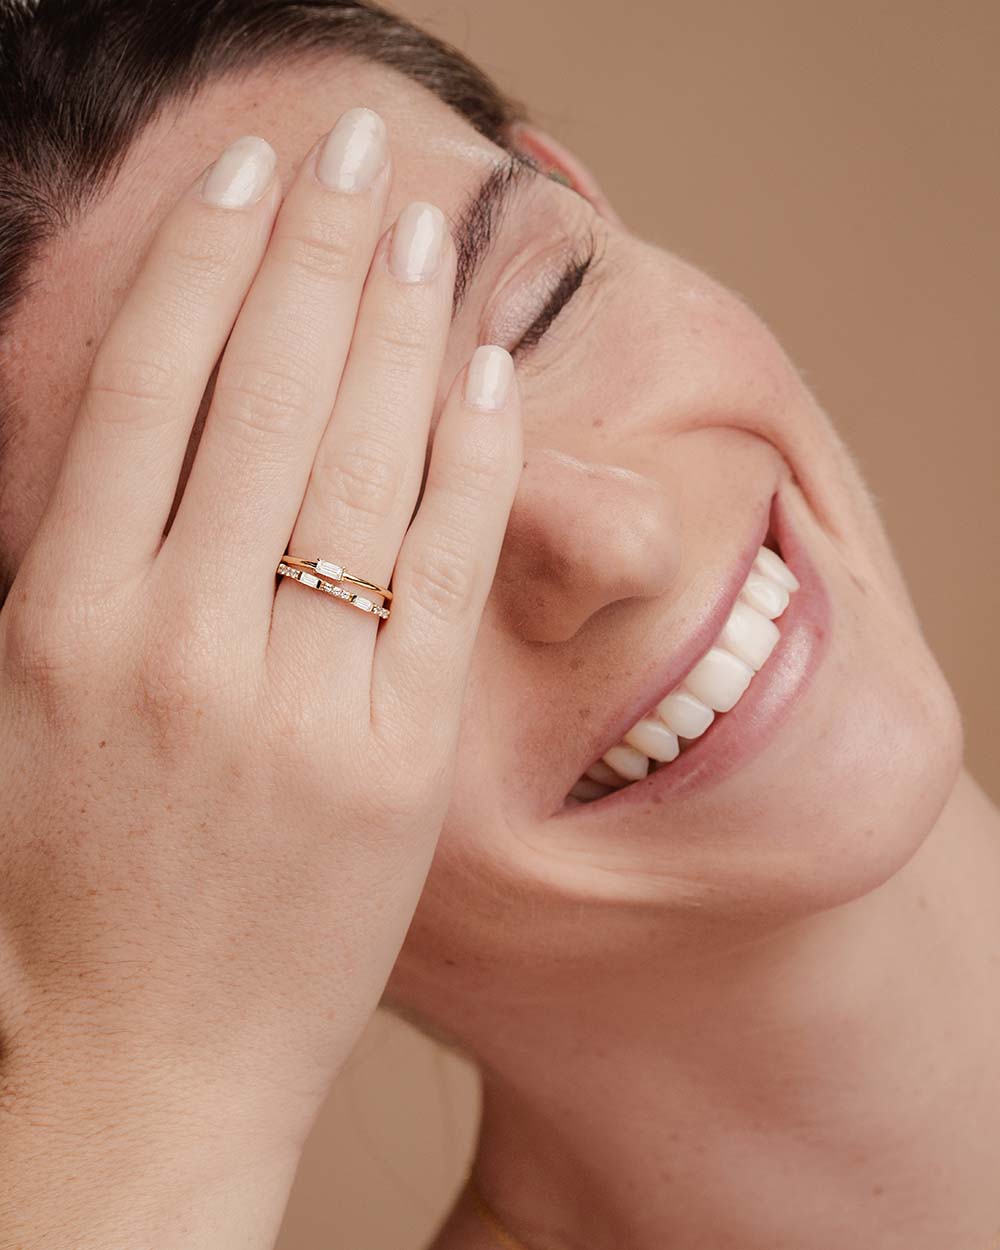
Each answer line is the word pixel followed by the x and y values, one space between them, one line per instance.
pixel 488 382
pixel 241 175
pixel 354 152
pixel 417 243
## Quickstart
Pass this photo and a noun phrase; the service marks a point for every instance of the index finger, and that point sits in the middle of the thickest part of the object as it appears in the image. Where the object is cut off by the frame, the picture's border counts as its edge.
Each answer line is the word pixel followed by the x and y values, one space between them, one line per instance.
pixel 116 485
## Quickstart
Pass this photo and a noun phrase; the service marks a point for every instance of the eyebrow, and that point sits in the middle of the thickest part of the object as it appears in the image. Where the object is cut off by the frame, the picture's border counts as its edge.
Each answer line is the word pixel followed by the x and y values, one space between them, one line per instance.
pixel 478 223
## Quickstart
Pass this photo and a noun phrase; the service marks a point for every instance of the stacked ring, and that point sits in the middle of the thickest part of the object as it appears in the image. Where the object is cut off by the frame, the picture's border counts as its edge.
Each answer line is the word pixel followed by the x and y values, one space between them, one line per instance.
pixel 324 575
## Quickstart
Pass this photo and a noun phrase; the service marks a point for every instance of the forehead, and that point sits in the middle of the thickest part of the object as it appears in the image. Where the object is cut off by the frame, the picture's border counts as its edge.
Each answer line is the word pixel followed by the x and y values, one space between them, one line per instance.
pixel 435 151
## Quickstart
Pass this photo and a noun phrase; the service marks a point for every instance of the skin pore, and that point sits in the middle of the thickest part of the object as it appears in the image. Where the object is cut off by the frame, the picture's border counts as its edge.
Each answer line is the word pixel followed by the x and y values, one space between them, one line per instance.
pixel 763 1012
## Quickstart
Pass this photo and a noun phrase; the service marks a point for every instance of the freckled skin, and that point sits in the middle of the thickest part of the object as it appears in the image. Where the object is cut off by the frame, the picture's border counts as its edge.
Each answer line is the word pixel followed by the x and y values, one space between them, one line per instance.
pixel 659 414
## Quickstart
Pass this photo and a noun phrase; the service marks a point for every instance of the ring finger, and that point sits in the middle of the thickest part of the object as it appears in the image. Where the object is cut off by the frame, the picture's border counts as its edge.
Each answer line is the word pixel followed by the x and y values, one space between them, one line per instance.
pixel 369 467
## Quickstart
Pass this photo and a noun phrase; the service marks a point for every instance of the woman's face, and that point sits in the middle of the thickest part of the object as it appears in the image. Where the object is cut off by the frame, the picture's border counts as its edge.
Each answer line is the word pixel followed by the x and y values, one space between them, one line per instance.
pixel 661 421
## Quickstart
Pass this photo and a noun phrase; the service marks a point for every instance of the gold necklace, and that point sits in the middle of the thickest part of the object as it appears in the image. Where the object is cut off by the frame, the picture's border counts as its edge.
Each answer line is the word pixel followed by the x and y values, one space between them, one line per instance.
pixel 492 1221
pixel 507 1239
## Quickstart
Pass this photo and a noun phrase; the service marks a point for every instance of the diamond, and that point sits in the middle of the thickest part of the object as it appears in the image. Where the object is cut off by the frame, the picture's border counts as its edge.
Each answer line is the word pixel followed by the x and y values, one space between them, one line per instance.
pixel 365 604
pixel 330 570
pixel 309 579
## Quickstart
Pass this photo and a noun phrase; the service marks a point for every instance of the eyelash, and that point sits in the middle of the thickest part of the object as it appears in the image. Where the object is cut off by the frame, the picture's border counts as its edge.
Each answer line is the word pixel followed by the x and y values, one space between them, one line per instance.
pixel 580 264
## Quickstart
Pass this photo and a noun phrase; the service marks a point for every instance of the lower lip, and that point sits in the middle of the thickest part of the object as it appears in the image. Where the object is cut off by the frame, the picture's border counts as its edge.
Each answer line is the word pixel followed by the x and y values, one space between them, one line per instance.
pixel 735 737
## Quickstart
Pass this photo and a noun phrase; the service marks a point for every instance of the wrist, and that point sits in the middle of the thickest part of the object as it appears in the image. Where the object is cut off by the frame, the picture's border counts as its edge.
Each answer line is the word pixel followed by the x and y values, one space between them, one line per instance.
pixel 94 1070
pixel 120 1162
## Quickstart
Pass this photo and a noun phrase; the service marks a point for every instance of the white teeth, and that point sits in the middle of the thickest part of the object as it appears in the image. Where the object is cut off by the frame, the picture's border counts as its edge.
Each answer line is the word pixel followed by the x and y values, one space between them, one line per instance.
pixel 627 762
pixel 602 773
pixel 749 635
pixel 765 595
pixel 715 684
pixel 719 678
pixel 654 739
pixel 687 716
pixel 771 564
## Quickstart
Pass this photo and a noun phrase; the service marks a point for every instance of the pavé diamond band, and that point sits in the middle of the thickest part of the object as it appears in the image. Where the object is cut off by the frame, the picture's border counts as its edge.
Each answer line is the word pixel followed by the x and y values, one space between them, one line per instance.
pixel 303 571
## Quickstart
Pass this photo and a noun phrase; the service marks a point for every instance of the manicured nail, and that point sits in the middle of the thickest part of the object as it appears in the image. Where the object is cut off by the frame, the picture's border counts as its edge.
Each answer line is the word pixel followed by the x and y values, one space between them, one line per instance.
pixel 417 243
pixel 488 382
pixel 241 175
pixel 353 153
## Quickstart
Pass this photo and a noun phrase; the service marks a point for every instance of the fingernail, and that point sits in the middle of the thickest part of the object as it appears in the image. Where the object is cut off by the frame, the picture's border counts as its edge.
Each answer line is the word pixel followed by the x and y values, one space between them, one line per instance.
pixel 353 153
pixel 241 175
pixel 488 382
pixel 417 243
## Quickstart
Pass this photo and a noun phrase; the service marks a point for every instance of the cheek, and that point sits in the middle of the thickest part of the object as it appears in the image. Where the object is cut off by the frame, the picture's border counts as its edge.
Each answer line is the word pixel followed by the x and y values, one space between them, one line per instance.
pixel 726 358
pixel 665 349
pixel 844 798
pixel 726 366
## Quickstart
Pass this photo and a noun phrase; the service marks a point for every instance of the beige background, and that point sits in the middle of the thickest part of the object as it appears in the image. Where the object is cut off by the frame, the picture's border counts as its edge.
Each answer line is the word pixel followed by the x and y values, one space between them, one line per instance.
pixel 836 163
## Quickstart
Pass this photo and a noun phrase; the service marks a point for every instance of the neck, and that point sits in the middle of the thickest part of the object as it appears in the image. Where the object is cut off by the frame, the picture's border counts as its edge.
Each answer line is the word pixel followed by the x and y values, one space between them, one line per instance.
pixel 834 1085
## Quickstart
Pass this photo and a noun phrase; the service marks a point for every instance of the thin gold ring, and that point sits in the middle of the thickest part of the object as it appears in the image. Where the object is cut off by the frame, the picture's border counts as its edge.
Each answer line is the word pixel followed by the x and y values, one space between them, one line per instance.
pixel 336 573
pixel 308 578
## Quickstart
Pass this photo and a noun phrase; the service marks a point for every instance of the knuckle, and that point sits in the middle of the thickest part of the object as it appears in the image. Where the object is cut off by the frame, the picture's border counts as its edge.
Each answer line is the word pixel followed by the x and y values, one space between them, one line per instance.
pixel 445 578
pixel 202 254
pixel 166 697
pixel 293 733
pixel 470 471
pixel 424 767
pixel 318 249
pixel 401 339
pixel 38 655
pixel 52 639
pixel 176 679
pixel 365 483
pixel 122 385
pixel 262 396
pixel 392 808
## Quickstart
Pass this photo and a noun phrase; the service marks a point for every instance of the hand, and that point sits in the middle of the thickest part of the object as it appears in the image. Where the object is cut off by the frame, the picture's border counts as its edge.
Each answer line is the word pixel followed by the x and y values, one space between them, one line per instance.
pixel 222 790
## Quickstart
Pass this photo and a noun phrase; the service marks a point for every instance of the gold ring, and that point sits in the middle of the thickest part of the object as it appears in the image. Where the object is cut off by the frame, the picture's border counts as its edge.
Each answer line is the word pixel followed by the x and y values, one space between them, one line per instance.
pixel 287 568
pixel 336 573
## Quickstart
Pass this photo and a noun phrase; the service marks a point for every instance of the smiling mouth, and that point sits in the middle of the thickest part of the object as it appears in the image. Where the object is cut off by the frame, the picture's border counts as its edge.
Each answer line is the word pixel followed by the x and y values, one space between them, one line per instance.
pixel 710 689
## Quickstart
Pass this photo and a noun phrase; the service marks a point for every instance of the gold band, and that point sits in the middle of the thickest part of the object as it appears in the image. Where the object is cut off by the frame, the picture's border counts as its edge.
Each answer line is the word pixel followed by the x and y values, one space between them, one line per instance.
pixel 336 573
pixel 309 578
pixel 501 1234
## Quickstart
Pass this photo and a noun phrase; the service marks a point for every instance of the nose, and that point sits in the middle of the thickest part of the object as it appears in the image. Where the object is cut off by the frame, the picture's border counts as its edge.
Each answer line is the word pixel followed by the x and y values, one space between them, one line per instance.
pixel 582 535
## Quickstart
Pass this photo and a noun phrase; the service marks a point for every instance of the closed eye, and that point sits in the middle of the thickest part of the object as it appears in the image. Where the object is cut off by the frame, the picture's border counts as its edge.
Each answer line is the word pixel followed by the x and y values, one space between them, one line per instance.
pixel 579 265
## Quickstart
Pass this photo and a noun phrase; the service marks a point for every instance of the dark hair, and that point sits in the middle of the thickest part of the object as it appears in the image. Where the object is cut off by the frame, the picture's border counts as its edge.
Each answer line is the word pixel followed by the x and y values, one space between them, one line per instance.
pixel 80 79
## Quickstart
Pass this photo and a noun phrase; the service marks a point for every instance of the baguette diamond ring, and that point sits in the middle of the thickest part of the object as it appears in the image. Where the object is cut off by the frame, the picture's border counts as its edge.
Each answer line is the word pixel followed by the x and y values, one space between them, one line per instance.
pixel 325 576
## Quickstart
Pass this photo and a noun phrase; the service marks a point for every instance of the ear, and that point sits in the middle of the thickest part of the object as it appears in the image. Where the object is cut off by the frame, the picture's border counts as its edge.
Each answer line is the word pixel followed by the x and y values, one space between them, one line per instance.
pixel 557 160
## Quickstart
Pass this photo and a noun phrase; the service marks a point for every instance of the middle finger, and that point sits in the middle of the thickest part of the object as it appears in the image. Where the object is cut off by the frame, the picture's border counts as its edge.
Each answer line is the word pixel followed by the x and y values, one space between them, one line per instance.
pixel 281 370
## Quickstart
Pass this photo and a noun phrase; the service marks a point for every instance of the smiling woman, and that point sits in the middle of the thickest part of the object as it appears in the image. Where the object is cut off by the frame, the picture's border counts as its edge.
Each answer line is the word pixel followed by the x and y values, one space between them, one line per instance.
pixel 634 779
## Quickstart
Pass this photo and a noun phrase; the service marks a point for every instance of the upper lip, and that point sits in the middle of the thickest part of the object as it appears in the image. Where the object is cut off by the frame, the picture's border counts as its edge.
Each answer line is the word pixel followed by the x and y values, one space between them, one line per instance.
pixel 671 671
